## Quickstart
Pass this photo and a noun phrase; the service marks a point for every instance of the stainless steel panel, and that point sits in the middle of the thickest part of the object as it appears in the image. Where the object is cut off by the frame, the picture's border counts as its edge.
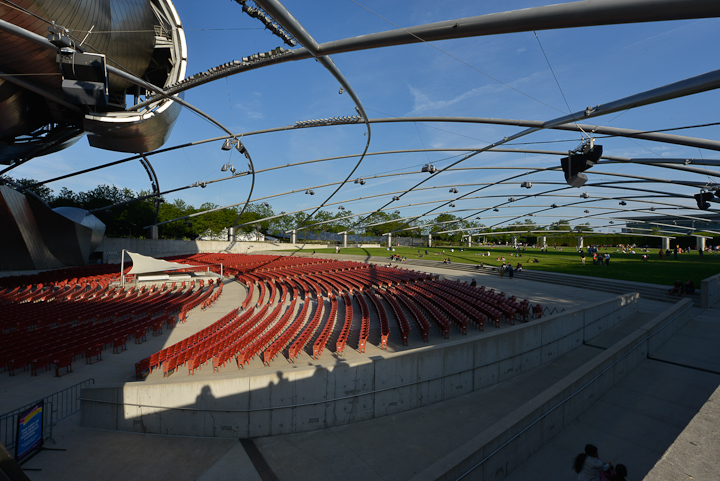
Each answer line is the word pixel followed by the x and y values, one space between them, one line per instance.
pixel 25 223
pixel 133 38
pixel 85 218
pixel 133 137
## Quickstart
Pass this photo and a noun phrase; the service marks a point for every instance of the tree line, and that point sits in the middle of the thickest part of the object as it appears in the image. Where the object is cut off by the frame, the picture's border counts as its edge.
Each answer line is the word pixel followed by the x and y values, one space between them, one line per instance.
pixel 130 217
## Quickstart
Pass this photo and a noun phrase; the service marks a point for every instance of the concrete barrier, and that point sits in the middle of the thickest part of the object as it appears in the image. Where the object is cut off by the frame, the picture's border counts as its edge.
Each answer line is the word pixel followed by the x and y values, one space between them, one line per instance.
pixel 111 248
pixel 497 451
pixel 303 400
pixel 710 292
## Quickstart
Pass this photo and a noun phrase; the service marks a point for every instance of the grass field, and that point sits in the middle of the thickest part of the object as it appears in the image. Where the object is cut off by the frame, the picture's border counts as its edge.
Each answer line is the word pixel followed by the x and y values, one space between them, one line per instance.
pixel 622 266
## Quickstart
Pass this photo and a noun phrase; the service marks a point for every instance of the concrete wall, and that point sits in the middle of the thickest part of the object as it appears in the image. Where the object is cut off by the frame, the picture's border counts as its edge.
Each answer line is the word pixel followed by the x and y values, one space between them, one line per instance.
pixel 503 447
pixel 112 247
pixel 314 398
pixel 710 292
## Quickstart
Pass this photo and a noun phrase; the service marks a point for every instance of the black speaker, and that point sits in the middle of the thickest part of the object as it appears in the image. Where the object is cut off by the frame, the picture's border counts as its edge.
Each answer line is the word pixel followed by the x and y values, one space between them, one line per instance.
pixel 702 200
pixel 577 162
pixel 85 79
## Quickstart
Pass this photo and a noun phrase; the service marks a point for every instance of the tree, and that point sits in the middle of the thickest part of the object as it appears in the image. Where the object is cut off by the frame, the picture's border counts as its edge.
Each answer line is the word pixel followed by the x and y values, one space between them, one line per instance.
pixel 385 223
pixel 561 225
pixel 42 191
pixel 180 229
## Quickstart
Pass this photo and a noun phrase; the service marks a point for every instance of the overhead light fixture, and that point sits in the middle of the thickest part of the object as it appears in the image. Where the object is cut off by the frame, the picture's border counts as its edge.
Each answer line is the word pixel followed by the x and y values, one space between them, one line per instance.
pixel 232 169
pixel 203 184
pixel 703 199
pixel 229 143
pixel 586 211
pixel 224 168
pixel 652 209
pixel 579 160
pixel 496 209
pixel 452 205
pixel 397 212
pixel 453 190
pixel 585 195
pixel 429 168
pixel 395 198
pixel 622 202
pixel 553 206
pixel 511 199
pixel 527 185
pixel 341 90
pixel 310 192
pixel 360 181
pixel 265 204
pixel 341 208
pixel 612 222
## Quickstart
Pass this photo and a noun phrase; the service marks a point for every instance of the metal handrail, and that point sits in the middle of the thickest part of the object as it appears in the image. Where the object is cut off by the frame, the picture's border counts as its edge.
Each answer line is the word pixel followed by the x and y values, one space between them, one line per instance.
pixel 641 342
pixel 62 404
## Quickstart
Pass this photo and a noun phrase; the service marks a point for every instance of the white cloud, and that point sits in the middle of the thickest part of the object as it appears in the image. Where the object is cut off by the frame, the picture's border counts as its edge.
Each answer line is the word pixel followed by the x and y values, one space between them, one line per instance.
pixel 423 103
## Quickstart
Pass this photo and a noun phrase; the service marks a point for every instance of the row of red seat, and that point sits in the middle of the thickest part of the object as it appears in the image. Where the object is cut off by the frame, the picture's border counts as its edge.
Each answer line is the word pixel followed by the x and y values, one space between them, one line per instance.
pixel 422 296
pixel 365 325
pixel 382 315
pixel 299 344
pixel 402 322
pixel 440 320
pixel 420 319
pixel 283 340
pixel 345 332
pixel 324 336
pixel 266 337
pixel 33 341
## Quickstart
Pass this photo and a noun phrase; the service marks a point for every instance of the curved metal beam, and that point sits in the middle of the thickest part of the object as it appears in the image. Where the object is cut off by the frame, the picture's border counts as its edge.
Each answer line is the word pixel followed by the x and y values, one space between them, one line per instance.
pixel 287 21
pixel 620 132
pixel 566 15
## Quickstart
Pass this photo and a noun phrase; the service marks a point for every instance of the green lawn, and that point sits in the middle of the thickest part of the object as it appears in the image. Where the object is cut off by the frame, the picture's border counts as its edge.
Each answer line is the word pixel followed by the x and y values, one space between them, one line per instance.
pixel 622 266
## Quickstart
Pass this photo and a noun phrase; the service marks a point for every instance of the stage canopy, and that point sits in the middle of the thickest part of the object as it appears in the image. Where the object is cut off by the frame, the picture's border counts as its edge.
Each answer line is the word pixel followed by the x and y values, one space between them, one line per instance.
pixel 148 265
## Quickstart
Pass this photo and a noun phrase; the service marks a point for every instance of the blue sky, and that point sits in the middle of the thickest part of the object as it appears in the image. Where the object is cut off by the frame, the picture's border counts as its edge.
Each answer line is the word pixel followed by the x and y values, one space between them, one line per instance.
pixel 448 78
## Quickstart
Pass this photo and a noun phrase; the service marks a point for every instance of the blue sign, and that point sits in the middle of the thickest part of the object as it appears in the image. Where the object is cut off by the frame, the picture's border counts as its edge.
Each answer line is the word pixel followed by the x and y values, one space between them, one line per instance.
pixel 29 431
